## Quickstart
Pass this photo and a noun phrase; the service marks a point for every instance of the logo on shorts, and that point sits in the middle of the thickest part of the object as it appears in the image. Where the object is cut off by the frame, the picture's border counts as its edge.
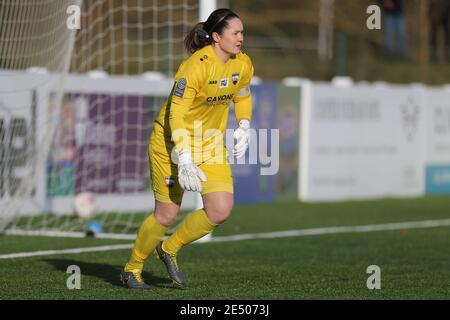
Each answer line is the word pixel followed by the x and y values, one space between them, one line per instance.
pixel 179 89
pixel 170 181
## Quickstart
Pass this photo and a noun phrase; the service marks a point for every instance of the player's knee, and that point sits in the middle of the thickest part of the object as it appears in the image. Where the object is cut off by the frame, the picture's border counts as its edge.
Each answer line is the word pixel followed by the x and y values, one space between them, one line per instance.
pixel 166 214
pixel 219 213
pixel 165 218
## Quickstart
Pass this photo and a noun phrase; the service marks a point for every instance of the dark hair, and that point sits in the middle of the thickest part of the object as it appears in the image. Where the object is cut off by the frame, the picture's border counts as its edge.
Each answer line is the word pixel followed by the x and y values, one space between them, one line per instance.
pixel 201 34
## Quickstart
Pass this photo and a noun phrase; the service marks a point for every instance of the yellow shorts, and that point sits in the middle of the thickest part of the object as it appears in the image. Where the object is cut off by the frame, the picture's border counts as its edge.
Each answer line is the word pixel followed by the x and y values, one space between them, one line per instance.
pixel 164 174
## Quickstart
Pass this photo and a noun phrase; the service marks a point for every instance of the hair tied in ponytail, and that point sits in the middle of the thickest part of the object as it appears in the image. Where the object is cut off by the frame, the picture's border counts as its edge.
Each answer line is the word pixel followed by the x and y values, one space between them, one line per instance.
pixel 203 35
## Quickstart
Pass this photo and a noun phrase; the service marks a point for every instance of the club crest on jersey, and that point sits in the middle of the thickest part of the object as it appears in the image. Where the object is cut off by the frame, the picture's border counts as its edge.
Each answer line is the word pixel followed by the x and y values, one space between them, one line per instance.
pixel 179 89
pixel 223 83
pixel 235 77
pixel 170 181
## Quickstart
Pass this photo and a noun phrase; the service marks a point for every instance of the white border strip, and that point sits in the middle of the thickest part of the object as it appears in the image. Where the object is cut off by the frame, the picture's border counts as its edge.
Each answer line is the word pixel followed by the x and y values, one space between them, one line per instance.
pixel 65 251
pixel 336 230
pixel 251 236
pixel 305 117
pixel 68 234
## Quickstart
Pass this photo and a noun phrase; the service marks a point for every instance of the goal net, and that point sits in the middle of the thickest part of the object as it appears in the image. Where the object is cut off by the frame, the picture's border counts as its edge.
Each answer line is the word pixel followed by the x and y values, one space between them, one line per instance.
pixel 35 50
pixel 90 136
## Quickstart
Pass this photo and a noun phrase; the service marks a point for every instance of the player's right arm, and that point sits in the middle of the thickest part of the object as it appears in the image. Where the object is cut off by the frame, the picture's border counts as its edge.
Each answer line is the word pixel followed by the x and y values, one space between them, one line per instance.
pixel 188 82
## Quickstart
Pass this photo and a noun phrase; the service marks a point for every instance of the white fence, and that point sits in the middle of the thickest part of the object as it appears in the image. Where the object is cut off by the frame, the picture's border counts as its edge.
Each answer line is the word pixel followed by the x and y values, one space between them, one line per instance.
pixel 26 97
pixel 369 141
pixel 356 142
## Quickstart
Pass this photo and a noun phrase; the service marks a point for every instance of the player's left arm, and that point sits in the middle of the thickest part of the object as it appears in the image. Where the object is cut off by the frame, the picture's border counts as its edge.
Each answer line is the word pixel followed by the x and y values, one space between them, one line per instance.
pixel 243 111
pixel 243 99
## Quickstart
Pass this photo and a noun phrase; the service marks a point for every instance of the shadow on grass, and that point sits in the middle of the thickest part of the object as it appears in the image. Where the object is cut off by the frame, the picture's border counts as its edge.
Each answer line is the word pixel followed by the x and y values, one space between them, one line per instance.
pixel 108 272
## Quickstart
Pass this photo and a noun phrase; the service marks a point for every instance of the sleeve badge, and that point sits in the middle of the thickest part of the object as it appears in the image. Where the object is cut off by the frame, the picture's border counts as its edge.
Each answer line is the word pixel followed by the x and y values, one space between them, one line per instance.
pixel 181 86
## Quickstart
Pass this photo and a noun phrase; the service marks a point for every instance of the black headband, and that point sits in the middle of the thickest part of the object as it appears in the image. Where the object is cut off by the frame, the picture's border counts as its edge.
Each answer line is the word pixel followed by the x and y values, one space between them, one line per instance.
pixel 219 22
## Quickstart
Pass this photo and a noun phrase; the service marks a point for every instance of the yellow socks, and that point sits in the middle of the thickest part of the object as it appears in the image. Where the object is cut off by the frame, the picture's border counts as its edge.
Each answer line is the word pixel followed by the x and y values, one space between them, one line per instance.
pixel 195 226
pixel 148 237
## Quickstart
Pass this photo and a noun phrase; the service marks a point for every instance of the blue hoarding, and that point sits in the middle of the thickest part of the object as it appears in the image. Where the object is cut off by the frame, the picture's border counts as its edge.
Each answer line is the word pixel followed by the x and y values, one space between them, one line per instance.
pixel 250 186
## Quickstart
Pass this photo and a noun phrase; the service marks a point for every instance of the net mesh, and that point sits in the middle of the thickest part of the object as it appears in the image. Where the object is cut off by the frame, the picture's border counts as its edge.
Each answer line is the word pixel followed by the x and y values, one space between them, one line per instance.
pixel 35 48
pixel 96 134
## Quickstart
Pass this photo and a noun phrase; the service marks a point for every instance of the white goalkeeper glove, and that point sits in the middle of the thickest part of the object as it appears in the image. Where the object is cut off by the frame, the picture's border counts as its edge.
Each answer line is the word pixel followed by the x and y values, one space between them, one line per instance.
pixel 189 175
pixel 242 135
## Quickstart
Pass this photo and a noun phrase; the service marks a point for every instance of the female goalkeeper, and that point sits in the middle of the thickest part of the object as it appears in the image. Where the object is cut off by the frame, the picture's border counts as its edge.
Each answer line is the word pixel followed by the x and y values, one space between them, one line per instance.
pixel 186 149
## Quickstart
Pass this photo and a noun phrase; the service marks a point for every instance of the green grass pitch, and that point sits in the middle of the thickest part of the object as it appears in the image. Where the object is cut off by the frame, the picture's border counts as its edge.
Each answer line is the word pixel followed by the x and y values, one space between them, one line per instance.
pixel 413 262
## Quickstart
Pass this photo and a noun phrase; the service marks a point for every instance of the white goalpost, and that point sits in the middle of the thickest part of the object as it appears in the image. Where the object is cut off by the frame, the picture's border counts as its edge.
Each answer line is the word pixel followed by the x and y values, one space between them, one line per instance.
pixel 77 106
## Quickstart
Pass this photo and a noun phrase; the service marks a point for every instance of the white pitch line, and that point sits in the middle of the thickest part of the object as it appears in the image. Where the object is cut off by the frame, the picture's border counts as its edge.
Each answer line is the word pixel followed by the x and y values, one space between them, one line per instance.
pixel 334 230
pixel 68 234
pixel 251 236
pixel 66 251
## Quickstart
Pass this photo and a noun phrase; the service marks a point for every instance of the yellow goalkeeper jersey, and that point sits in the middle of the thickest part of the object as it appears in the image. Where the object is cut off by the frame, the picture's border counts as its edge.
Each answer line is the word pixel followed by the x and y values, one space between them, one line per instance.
pixel 199 102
